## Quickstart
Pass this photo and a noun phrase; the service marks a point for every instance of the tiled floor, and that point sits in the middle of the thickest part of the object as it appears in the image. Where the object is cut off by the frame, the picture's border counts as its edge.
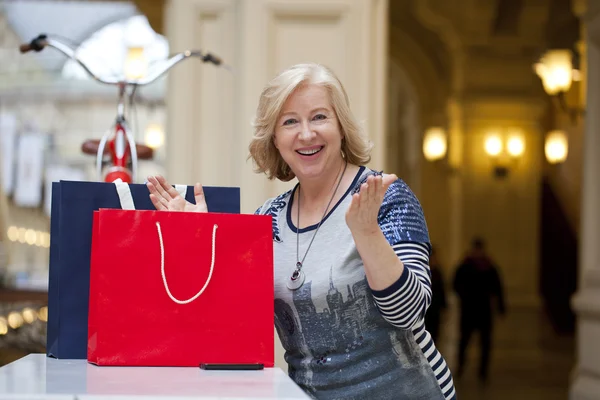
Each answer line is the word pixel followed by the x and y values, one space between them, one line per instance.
pixel 529 361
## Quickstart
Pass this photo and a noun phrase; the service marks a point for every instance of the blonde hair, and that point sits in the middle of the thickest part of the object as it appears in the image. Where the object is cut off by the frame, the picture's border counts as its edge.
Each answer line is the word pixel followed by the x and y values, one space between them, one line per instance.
pixel 355 147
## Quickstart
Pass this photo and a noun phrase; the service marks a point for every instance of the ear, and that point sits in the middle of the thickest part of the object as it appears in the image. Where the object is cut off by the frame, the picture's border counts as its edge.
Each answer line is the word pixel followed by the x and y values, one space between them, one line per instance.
pixel 274 138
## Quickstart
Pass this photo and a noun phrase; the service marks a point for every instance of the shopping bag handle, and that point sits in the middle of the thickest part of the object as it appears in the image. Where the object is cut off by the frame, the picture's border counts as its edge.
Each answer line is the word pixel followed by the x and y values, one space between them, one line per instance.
pixel 126 199
pixel 162 267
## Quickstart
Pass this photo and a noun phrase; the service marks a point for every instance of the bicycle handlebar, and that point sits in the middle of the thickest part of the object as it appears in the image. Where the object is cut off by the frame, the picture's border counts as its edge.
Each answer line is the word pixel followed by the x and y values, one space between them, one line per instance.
pixel 40 42
pixel 36 44
pixel 24 48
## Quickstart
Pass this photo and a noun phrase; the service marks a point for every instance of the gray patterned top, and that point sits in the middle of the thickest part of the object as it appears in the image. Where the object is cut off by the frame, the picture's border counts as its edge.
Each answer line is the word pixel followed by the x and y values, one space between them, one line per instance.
pixel 343 340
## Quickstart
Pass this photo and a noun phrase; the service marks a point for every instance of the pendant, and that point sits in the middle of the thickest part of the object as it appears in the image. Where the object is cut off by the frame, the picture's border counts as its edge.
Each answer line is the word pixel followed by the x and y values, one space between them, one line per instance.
pixel 296 280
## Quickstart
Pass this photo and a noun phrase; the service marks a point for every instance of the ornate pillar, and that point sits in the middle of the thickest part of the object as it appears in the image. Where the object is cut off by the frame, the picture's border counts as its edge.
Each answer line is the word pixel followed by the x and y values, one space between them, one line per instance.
pixel 586 302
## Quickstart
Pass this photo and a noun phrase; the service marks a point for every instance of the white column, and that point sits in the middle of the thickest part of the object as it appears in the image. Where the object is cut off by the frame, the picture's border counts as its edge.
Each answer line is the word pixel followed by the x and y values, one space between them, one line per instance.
pixel 209 110
pixel 201 98
pixel 586 302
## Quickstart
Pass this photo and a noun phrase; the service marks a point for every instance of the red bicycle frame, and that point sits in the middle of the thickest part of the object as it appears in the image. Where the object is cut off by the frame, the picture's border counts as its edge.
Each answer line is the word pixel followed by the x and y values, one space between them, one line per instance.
pixel 121 145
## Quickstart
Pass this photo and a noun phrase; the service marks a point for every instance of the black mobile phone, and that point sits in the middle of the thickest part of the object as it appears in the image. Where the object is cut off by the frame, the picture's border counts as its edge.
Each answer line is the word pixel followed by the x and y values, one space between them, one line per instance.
pixel 231 367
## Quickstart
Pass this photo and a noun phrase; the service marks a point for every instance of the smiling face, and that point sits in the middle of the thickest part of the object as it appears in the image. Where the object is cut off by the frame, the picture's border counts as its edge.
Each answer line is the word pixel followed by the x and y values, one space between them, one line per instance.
pixel 308 134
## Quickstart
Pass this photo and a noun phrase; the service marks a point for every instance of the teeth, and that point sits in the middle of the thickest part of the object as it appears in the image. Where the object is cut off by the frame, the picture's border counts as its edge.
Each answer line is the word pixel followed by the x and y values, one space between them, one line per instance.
pixel 309 152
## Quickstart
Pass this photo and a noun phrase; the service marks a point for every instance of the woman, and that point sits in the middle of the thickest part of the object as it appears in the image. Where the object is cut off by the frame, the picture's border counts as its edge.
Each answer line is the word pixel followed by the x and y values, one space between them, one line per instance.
pixel 352 282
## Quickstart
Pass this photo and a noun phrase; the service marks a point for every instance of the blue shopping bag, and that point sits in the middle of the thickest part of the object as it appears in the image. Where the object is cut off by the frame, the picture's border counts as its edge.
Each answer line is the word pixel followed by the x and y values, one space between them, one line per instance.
pixel 72 209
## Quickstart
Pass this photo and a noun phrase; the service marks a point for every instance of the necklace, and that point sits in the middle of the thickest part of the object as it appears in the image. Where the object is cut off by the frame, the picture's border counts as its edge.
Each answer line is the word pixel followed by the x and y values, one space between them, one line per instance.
pixel 297 278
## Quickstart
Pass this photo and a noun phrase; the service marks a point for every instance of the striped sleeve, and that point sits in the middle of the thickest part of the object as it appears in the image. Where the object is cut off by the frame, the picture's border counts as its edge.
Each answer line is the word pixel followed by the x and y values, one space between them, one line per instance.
pixel 405 302
pixel 402 222
pixel 436 360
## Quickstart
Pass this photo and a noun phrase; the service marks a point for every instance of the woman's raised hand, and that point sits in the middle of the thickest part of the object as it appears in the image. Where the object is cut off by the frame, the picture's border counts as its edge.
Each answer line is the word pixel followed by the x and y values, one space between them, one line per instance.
pixel 166 198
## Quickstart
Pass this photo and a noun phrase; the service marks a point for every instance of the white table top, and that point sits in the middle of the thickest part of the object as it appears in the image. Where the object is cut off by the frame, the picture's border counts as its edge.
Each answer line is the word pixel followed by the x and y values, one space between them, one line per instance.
pixel 36 377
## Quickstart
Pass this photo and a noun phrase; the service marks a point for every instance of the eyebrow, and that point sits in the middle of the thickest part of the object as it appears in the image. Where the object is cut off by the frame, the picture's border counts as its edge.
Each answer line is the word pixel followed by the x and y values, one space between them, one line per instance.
pixel 312 111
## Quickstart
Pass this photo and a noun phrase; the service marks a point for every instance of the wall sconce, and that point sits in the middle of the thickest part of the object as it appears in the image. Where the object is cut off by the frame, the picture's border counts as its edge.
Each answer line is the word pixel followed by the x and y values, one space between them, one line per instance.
pixel 136 63
pixel 494 147
pixel 556 71
pixel 435 144
pixel 556 147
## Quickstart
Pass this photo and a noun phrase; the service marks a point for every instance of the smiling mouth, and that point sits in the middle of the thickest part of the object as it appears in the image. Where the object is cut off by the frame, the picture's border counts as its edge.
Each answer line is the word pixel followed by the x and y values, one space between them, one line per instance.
pixel 310 152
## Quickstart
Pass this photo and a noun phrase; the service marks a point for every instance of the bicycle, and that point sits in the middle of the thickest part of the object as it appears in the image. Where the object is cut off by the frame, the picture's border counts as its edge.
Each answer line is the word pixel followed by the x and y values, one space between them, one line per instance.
pixel 117 146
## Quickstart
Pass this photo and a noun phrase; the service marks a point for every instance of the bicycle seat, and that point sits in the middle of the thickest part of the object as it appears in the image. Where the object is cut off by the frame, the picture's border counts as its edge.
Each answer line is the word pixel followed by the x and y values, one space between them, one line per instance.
pixel 90 146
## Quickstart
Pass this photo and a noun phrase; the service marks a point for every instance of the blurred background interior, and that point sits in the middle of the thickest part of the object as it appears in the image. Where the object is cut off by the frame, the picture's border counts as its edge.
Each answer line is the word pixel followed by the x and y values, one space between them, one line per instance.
pixel 484 107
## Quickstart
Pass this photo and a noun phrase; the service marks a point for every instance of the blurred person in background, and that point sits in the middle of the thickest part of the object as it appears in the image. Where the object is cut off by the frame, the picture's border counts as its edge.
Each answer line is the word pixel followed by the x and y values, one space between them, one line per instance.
pixel 478 284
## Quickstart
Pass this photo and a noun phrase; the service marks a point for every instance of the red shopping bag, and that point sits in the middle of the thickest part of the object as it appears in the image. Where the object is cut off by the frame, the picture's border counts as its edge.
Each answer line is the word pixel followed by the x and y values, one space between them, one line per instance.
pixel 180 289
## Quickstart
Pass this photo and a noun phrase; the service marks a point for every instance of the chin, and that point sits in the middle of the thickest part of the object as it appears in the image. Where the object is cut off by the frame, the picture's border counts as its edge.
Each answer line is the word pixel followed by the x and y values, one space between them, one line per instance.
pixel 310 172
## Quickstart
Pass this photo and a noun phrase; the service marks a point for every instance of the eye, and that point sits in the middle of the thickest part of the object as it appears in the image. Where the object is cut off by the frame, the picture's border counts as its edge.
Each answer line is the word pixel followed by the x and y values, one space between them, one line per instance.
pixel 290 121
pixel 319 117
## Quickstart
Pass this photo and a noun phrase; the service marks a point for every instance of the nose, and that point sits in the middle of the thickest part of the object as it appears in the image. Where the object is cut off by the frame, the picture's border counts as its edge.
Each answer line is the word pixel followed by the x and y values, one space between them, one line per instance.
pixel 306 133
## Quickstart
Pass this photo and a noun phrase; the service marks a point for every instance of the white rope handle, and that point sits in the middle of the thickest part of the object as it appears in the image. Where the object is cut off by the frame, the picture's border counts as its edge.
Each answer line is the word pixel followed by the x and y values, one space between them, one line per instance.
pixel 125 196
pixel 162 267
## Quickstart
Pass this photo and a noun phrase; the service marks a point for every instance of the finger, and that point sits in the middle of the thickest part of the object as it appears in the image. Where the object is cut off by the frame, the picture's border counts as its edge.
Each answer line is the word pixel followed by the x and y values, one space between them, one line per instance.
pixel 198 192
pixel 173 193
pixel 154 194
pixel 160 190
pixel 354 202
pixel 155 187
pixel 389 179
pixel 157 203
pixel 364 193
pixel 372 192
pixel 377 186
pixel 363 188
pixel 381 189
pixel 199 197
pixel 152 188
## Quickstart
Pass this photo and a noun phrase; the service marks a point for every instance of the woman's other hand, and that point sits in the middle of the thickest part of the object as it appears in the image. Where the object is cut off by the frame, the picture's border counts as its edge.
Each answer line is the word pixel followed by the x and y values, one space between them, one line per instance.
pixel 362 214
pixel 166 198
